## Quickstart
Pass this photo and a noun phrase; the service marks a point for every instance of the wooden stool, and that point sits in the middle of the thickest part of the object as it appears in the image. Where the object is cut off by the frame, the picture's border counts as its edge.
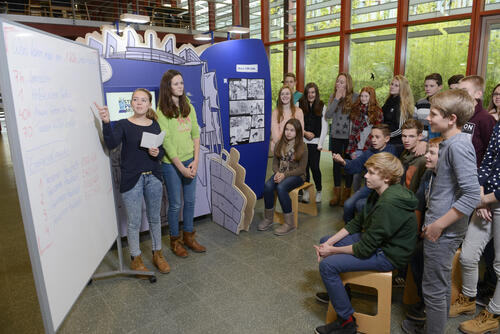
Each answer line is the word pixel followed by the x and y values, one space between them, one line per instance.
pixel 382 282
pixel 309 208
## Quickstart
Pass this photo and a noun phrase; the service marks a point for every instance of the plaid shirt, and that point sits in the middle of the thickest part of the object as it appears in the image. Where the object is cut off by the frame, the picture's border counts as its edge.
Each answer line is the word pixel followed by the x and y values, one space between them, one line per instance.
pixel 357 126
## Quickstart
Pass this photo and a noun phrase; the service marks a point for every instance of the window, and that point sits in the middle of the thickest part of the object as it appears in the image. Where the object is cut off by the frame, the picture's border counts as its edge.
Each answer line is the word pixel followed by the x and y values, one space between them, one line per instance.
pixel 423 9
pixel 254 12
pixel 281 60
pixel 322 16
pixel 492 76
pixel 201 15
pixel 223 14
pixel 369 13
pixel 439 47
pixel 282 19
pixel 322 64
pixel 371 61
pixel 491 4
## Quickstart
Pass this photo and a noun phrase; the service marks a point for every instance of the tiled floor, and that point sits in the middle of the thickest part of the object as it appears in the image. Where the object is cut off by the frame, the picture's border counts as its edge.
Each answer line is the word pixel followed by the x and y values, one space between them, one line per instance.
pixel 251 283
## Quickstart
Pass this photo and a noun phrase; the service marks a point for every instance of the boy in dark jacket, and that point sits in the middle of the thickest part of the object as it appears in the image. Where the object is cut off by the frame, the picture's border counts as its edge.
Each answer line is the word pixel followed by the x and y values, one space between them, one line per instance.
pixel 382 237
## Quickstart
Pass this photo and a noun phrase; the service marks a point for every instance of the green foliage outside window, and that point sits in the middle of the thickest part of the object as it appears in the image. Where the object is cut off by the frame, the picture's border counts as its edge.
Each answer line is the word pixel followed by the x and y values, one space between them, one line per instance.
pixel 493 64
pixel 439 47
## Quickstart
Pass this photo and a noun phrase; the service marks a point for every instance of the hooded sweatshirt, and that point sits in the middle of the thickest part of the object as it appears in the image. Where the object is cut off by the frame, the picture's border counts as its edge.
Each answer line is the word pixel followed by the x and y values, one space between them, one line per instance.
pixel 414 168
pixel 388 222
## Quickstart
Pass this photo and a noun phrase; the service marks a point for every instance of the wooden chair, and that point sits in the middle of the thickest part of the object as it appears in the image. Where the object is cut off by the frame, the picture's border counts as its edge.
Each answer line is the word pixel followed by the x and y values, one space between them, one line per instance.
pixel 309 208
pixel 382 282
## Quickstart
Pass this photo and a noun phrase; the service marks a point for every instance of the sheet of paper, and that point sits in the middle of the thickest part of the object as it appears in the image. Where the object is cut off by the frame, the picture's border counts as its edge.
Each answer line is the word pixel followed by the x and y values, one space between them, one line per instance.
pixel 150 140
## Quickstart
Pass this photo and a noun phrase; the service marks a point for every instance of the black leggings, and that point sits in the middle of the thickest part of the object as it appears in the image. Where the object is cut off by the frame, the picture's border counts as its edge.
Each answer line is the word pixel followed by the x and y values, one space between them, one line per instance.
pixel 313 157
pixel 340 146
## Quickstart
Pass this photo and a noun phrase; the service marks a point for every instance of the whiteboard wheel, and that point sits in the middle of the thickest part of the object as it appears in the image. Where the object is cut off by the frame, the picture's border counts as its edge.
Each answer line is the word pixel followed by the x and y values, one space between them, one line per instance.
pixel 152 279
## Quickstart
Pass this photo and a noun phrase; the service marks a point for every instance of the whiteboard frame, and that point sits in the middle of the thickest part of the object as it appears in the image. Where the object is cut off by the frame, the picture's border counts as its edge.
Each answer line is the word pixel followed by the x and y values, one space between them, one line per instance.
pixel 20 175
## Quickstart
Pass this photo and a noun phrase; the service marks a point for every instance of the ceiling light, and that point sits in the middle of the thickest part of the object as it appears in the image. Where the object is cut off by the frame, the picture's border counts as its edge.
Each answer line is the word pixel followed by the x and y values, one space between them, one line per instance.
pixel 134 18
pixel 238 30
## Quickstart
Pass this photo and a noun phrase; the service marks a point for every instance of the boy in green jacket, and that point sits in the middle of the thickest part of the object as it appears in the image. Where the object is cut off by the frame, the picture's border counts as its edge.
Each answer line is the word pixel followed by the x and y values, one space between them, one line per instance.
pixel 382 238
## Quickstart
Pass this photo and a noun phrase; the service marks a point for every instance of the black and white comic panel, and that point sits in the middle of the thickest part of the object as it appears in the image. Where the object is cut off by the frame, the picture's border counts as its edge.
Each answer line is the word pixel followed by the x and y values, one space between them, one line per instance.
pixel 246 111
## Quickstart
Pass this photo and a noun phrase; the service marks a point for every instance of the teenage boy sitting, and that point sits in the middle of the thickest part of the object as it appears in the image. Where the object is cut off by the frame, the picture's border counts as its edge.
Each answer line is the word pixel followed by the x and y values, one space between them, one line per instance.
pixel 454 195
pixel 481 124
pixel 416 313
pixel 382 237
pixel 380 136
pixel 484 226
pixel 433 83
pixel 414 166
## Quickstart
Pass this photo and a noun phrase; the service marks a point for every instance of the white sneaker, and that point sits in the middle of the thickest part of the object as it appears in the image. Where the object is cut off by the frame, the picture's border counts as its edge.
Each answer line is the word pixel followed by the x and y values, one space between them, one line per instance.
pixel 318 197
pixel 305 196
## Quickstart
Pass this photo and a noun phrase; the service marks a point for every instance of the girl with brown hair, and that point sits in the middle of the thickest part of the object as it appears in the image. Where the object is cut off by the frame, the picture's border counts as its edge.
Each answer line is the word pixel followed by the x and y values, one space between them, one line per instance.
pixel 284 111
pixel 289 167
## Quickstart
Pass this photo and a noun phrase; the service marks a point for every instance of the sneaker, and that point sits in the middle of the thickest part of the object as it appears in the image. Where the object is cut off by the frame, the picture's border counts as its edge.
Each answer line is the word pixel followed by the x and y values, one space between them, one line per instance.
pixel 413 327
pixel 398 282
pixel 323 297
pixel 305 197
pixel 484 322
pixel 339 326
pixel 463 305
pixel 318 197
pixel 416 312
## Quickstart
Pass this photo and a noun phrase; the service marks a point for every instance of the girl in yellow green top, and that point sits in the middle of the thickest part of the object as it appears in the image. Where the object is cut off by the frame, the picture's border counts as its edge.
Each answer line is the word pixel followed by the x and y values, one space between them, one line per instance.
pixel 177 118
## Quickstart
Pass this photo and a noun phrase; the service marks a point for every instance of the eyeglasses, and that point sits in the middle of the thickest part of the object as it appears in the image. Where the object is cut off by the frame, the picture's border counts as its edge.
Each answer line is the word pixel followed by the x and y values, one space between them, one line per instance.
pixel 495 94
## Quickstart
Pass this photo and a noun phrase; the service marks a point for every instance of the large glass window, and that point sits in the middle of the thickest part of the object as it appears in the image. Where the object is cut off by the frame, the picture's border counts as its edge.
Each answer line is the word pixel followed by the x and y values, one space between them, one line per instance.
pixel 322 64
pixel 371 60
pixel 423 9
pixel 223 14
pixel 201 15
pixel 281 60
pixel 492 4
pixel 438 47
pixel 492 62
pixel 282 19
pixel 254 12
pixel 369 13
pixel 322 16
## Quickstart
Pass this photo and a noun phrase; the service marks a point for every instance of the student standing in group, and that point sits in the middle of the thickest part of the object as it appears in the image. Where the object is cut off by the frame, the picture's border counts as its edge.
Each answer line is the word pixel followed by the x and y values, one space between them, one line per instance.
pixel 339 110
pixel 494 106
pixel 289 168
pixel 454 195
pixel 454 80
pixel 398 107
pixel 480 125
pixel 315 130
pixel 140 175
pixel 177 118
pixel 283 112
pixel 433 83
pixel 484 226
pixel 364 115
pixel 290 81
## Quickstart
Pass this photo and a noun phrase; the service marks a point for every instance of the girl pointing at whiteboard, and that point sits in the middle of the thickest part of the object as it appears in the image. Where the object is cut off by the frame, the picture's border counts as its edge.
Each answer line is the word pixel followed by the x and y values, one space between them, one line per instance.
pixel 140 175
pixel 180 163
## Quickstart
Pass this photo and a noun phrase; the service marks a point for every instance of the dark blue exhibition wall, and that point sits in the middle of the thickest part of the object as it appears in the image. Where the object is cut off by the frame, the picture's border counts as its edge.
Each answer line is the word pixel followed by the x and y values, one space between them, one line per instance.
pixel 224 58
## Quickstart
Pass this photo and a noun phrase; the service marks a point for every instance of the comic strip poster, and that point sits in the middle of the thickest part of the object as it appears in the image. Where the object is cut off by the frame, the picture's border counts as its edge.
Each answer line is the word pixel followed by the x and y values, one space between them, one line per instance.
pixel 246 111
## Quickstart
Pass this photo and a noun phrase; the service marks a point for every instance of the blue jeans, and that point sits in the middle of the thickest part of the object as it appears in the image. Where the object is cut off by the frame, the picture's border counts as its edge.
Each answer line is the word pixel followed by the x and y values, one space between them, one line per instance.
pixel 282 188
pixel 149 187
pixel 332 266
pixel 175 181
pixel 355 203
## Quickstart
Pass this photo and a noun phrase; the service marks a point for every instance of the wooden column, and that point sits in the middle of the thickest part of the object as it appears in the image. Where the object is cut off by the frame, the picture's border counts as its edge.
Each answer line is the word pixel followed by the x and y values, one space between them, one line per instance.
pixel 300 45
pixel 345 25
pixel 475 37
pixel 401 37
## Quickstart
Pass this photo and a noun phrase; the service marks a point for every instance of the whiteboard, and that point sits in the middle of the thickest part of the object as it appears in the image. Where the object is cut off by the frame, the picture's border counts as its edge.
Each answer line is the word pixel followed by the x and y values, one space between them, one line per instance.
pixel 62 171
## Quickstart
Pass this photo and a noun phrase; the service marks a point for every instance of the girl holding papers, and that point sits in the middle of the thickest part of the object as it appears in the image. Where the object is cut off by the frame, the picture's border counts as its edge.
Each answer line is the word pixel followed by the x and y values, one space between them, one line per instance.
pixel 140 174
pixel 177 118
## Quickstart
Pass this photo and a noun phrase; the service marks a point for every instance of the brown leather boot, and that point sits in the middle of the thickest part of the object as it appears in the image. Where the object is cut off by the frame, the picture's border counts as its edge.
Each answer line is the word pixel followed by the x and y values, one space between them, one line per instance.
pixel 346 193
pixel 177 248
pixel 160 262
pixel 287 227
pixel 191 242
pixel 336 196
pixel 137 264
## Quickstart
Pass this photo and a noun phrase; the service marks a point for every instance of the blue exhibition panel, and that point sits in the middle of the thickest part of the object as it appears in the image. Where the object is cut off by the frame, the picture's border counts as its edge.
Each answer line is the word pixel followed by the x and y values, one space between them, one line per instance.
pixel 245 59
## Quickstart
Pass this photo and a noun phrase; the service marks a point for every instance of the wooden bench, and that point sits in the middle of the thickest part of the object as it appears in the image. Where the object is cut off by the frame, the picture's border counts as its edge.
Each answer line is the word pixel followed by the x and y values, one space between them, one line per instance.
pixel 309 208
